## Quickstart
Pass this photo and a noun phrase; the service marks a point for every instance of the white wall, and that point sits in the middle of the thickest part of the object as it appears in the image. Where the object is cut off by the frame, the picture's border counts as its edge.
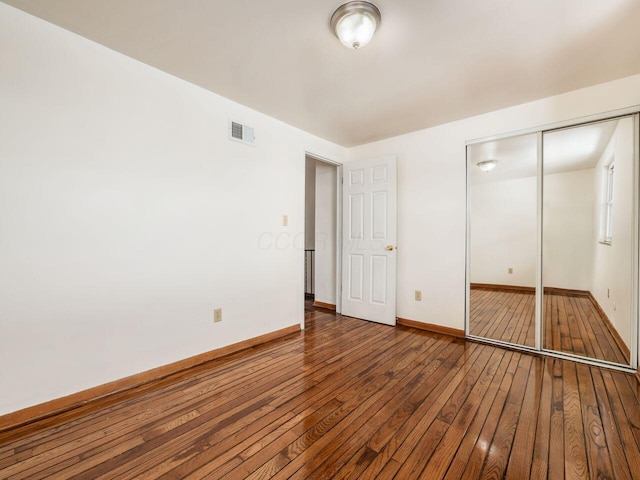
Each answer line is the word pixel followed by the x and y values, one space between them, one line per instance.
pixel 127 216
pixel 503 232
pixel 612 263
pixel 310 203
pixel 326 208
pixel 568 228
pixel 431 189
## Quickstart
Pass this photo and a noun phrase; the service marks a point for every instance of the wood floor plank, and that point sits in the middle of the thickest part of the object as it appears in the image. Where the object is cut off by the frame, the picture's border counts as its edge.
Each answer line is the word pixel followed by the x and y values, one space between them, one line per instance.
pixel 615 447
pixel 575 458
pixel 520 460
pixel 364 454
pixel 405 372
pixel 386 440
pixel 478 456
pixel 556 442
pixel 352 399
pixel 540 461
pixel 336 436
pixel 487 385
pixel 247 403
pixel 181 447
pixel 498 456
pixel 624 423
pixel 421 454
pixel 596 441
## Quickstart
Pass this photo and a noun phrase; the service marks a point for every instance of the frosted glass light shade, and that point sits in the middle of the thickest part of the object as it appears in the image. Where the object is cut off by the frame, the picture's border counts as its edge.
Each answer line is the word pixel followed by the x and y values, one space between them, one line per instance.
pixel 487 165
pixel 354 23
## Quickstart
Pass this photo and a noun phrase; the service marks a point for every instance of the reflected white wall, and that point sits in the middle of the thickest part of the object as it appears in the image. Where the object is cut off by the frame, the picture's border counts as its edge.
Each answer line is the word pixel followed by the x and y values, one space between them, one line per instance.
pixel 612 265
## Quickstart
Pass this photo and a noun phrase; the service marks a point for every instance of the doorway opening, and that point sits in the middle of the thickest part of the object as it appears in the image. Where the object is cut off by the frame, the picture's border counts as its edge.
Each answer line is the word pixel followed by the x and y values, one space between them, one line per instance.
pixel 321 234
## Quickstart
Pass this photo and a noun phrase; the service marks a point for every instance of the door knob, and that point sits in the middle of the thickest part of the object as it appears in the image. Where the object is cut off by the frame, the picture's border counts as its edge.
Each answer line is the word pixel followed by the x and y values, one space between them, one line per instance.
pixel 389 247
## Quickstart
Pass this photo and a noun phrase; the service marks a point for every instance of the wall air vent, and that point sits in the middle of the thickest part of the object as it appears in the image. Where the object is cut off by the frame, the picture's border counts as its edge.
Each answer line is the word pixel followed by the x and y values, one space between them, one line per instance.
pixel 241 133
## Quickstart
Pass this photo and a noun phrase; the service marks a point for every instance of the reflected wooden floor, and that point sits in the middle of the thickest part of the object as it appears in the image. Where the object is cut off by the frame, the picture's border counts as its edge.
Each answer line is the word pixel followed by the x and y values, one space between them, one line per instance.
pixel 503 315
pixel 350 399
pixel 572 323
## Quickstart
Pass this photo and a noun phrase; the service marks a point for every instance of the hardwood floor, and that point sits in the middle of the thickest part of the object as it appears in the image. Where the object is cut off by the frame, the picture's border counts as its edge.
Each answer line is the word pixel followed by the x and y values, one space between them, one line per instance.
pixel 350 399
pixel 572 323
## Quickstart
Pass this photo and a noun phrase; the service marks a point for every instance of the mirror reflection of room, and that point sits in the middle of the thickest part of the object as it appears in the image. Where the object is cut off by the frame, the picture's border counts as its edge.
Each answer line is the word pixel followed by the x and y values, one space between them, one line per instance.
pixel 587 240
pixel 502 248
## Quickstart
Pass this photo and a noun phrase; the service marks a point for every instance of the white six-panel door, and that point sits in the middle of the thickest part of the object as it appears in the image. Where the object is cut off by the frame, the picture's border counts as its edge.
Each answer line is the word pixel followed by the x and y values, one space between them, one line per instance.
pixel 369 254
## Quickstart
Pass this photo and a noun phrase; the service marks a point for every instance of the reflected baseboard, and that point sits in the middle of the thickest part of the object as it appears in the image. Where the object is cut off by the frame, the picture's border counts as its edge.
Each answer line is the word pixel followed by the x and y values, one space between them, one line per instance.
pixel 525 289
pixel 567 292
pixel 503 288
pixel 612 330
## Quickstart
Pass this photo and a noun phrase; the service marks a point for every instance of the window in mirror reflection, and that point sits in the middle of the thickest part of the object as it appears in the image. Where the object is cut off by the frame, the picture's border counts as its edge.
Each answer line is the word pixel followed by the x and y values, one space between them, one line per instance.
pixel 587 240
pixel 607 217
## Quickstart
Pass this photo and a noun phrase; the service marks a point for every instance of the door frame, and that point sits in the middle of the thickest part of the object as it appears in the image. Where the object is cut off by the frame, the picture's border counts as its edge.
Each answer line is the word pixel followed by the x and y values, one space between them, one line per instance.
pixel 338 165
pixel 633 111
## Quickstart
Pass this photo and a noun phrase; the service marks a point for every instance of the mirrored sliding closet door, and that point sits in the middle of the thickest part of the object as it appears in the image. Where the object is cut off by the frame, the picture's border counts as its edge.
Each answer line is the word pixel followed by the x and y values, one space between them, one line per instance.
pixel 502 177
pixel 552 240
pixel 588 238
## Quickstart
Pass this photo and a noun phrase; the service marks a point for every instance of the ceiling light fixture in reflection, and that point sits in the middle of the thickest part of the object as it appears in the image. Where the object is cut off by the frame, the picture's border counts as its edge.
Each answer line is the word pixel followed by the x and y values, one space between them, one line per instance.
pixel 487 165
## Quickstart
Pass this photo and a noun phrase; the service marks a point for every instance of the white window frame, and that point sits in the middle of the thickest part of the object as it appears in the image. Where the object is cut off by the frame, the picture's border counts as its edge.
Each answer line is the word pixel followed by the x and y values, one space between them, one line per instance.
pixel 608 191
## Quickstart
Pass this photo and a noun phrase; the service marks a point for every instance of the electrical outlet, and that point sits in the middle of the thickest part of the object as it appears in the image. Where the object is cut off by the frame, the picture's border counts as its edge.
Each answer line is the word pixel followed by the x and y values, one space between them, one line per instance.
pixel 418 295
pixel 614 306
pixel 285 220
pixel 510 271
pixel 217 315
pixel 608 293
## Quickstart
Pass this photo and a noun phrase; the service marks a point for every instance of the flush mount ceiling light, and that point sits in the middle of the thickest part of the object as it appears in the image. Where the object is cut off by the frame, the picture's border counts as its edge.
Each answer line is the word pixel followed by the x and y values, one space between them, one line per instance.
pixel 354 23
pixel 487 165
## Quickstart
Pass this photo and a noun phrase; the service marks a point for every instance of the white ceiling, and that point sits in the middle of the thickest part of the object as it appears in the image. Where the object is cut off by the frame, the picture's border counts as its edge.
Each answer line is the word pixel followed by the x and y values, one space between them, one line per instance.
pixel 565 150
pixel 432 61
